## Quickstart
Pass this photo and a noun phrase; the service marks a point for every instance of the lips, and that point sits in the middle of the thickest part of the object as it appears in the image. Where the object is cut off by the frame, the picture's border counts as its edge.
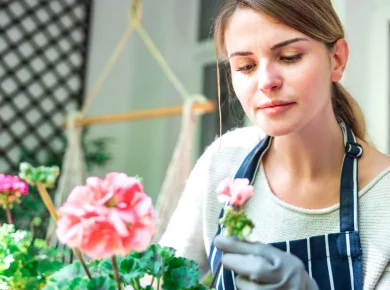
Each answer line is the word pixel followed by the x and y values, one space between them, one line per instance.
pixel 274 104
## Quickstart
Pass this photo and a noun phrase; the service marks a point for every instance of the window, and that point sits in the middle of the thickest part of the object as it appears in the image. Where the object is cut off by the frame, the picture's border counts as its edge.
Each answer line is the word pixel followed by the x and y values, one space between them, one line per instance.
pixel 208 11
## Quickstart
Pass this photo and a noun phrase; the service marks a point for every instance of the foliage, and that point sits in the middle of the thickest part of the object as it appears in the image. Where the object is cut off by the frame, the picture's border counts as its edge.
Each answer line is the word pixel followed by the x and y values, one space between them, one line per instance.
pixel 42 174
pixel 236 223
pixel 25 262
pixel 168 271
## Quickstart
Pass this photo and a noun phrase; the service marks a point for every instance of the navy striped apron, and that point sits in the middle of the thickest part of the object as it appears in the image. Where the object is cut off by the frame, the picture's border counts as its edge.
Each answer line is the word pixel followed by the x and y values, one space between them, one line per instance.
pixel 334 260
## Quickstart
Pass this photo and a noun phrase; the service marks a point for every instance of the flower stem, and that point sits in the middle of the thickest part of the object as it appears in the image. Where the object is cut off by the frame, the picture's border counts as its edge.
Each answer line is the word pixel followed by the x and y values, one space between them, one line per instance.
pixel 53 212
pixel 162 272
pixel 9 216
pixel 82 261
pixel 216 274
pixel 158 283
pixel 116 273
pixel 47 201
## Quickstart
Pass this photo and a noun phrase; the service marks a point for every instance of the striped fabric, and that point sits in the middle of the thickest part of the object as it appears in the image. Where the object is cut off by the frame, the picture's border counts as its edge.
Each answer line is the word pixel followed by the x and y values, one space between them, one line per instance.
pixel 329 259
pixel 334 260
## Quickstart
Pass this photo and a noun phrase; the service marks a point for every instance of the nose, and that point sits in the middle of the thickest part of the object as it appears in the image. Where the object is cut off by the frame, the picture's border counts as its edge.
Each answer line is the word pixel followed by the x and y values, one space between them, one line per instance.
pixel 268 78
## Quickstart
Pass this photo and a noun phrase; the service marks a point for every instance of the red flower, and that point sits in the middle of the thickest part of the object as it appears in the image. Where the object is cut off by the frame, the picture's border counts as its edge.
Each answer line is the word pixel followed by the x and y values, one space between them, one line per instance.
pixel 107 217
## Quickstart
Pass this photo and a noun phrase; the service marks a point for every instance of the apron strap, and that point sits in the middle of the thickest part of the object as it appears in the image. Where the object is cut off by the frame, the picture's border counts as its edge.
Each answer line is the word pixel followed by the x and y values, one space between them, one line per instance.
pixel 349 195
pixel 250 165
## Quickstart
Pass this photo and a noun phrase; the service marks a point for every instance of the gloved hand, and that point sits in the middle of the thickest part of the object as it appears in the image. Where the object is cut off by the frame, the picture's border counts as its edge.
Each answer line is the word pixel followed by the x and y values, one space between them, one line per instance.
pixel 261 266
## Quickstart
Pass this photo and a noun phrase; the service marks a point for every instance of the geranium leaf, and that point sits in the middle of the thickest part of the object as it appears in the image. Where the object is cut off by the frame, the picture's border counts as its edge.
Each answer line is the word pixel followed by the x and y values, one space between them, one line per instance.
pixel 101 283
pixel 170 284
pixel 184 272
pixel 151 261
pixel 129 269
pixel 68 272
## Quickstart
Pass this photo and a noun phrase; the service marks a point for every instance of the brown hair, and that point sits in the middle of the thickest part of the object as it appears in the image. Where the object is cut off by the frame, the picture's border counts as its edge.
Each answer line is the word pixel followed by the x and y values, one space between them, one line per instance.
pixel 314 18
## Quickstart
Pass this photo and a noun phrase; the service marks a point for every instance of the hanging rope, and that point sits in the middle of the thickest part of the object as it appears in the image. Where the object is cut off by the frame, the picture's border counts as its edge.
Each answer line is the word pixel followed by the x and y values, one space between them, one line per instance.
pixel 163 63
pixel 179 167
pixel 107 69
pixel 73 173
pixel 135 15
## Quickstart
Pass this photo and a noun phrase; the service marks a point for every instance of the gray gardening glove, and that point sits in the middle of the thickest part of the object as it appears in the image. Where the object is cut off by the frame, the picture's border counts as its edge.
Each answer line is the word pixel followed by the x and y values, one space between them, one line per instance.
pixel 261 266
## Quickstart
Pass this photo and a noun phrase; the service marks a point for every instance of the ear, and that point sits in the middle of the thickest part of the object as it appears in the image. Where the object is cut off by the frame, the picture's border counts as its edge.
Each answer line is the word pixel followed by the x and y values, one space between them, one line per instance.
pixel 339 57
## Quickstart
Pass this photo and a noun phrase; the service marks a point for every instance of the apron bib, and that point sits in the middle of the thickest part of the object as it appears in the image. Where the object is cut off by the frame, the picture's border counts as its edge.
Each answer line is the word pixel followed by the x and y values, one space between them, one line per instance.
pixel 334 260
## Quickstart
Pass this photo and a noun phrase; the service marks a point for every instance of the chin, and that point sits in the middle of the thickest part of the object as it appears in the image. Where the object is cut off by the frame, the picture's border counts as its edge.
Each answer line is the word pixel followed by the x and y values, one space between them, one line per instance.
pixel 277 128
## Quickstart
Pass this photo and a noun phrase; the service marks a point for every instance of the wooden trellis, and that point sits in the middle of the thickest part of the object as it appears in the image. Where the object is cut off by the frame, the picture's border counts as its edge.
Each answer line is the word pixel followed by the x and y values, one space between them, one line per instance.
pixel 43 48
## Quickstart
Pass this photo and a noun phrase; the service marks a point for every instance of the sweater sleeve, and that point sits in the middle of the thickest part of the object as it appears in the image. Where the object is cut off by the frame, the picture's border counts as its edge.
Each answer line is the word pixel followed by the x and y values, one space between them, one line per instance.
pixel 184 231
pixel 384 282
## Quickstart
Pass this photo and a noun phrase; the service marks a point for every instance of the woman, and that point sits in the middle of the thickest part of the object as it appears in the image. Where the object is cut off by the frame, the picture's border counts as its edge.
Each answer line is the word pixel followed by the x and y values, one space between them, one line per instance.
pixel 321 191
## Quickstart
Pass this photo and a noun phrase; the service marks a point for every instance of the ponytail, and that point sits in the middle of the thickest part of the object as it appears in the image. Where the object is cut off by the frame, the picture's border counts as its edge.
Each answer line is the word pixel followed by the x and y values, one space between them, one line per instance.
pixel 345 107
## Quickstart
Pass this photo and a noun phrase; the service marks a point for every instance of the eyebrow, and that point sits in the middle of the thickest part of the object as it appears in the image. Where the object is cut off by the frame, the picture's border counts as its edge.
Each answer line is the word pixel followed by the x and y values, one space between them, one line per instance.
pixel 276 46
pixel 287 42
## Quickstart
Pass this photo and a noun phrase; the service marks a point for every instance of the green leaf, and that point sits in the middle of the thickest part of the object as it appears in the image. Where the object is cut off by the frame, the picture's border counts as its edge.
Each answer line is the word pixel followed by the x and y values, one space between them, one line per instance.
pixel 105 265
pixel 151 261
pixel 170 284
pixel 101 283
pixel 47 267
pixel 74 283
pixel 68 272
pixel 129 270
pixel 25 261
pixel 181 273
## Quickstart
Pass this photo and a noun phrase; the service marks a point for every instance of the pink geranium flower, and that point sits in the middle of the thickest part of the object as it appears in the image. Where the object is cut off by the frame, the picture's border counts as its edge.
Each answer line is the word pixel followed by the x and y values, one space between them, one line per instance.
pixel 107 217
pixel 235 191
pixel 11 188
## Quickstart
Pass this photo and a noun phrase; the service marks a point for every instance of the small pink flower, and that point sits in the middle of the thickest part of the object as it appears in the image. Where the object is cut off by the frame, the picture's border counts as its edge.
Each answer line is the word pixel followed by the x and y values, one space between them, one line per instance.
pixel 107 217
pixel 236 191
pixel 11 188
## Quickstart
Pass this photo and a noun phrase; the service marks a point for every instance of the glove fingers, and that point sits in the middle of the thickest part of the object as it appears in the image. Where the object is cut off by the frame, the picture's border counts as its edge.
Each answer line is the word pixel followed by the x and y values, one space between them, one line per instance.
pixel 243 283
pixel 255 268
pixel 234 245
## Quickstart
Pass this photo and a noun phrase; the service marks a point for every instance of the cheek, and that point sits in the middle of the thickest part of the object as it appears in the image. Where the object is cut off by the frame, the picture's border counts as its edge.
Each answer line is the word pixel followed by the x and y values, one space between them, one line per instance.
pixel 313 84
pixel 244 87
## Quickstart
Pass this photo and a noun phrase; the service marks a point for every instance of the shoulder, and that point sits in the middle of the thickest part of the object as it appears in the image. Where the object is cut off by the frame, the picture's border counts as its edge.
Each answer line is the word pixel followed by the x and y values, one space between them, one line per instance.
pixel 240 139
pixel 371 165
pixel 374 221
pixel 374 183
pixel 374 213
pixel 225 154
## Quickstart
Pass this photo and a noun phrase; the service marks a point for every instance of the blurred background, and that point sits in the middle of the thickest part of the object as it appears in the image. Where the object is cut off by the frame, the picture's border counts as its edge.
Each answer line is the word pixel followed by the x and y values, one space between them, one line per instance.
pixel 52 52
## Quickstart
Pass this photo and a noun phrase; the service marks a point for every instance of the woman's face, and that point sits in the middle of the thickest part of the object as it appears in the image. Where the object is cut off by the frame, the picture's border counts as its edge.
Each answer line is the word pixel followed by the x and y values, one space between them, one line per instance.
pixel 281 76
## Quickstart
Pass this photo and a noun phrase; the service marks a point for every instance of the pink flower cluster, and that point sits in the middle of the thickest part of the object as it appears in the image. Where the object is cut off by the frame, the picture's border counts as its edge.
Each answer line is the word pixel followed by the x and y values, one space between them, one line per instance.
pixel 11 188
pixel 235 191
pixel 107 217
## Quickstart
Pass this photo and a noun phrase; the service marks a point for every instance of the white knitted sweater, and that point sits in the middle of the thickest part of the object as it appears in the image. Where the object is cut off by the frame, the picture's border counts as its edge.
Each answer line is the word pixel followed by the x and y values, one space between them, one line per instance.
pixel 194 223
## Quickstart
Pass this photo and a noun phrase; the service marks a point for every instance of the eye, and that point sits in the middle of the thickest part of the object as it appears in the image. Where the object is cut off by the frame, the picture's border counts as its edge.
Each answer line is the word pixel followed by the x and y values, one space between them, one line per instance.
pixel 292 58
pixel 246 68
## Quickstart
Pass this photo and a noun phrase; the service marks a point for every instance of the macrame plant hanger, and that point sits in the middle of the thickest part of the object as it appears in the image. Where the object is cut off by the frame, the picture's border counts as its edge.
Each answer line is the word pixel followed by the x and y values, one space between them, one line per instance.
pixel 74 172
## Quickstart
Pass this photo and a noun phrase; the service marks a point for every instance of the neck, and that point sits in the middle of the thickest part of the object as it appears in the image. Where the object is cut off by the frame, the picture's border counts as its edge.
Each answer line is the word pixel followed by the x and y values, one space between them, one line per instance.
pixel 315 150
